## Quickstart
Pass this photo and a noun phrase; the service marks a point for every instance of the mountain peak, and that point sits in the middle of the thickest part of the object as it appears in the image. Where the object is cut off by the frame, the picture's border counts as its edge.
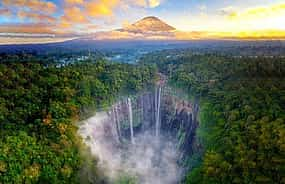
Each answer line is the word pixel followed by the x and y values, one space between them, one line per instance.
pixel 151 18
pixel 149 24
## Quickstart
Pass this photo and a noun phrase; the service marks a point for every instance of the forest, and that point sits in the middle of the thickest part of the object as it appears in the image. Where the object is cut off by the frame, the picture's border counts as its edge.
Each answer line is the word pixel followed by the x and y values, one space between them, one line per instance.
pixel 242 102
pixel 241 119
pixel 39 106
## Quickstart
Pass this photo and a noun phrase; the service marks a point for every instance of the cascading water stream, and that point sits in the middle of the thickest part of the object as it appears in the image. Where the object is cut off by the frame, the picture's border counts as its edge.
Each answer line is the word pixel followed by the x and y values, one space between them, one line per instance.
pixel 117 122
pixel 157 120
pixel 131 120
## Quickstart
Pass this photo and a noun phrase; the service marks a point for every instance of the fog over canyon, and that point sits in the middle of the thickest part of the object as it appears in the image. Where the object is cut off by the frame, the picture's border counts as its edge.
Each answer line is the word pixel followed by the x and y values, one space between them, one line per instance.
pixel 145 137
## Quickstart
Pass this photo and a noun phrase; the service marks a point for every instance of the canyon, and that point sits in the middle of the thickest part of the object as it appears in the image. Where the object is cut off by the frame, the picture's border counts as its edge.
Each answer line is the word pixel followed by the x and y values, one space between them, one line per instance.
pixel 148 136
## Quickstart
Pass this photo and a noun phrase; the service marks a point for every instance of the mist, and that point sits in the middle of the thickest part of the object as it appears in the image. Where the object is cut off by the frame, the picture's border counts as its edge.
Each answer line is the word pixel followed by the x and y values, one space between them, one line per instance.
pixel 148 159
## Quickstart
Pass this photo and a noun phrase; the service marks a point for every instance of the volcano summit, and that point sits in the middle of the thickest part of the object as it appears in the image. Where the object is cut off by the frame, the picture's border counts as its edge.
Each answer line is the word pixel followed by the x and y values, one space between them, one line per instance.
pixel 148 24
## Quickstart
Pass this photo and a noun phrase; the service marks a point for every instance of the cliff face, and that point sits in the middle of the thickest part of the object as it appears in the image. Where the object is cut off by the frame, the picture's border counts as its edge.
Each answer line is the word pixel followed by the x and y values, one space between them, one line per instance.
pixel 177 118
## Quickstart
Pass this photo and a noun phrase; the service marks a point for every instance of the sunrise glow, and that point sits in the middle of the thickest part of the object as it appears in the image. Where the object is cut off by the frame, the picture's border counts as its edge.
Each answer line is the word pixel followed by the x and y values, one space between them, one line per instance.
pixel 192 19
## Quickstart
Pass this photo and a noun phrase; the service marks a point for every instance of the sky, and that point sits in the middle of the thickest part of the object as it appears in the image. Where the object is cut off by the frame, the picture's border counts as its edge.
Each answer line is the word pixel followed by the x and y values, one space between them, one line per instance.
pixel 71 18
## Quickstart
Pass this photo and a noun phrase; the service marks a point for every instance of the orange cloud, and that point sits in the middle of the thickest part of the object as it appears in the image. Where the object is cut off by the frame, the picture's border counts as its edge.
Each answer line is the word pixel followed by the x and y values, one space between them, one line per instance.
pixel 36 5
pixel 5 12
pixel 32 29
pixel 101 8
pixel 126 24
pixel 64 24
pixel 74 15
pixel 71 2
pixel 36 16
pixel 27 28
pixel 180 35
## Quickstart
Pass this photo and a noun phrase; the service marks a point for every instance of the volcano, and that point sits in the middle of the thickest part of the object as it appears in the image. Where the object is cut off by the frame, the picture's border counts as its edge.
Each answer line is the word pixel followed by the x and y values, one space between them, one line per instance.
pixel 148 24
pixel 148 28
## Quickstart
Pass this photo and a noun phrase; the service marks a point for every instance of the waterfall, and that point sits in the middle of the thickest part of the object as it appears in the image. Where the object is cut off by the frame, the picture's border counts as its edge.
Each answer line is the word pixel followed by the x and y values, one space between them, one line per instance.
pixel 155 106
pixel 117 122
pixel 142 127
pixel 141 112
pixel 157 120
pixel 131 120
pixel 114 124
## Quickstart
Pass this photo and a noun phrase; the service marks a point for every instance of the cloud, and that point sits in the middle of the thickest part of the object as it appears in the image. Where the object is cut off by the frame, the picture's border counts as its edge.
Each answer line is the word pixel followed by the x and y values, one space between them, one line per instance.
pixel 251 34
pixel 202 7
pixel 72 2
pixel 153 3
pixel 257 18
pixel 114 35
pixel 129 35
pixel 239 35
pixel 77 17
pixel 42 29
pixel 5 12
pixel 101 8
pixel 193 35
pixel 81 23
pixel 145 3
pixel 91 27
pixel 140 3
pixel 275 10
pixel 35 5
pixel 227 10
pixel 31 40
pixel 126 24
pixel 24 35
pixel 36 28
pixel 37 17
pixel 74 15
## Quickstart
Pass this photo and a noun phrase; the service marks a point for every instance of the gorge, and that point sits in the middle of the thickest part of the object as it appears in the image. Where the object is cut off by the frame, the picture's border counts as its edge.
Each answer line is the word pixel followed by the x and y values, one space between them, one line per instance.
pixel 147 138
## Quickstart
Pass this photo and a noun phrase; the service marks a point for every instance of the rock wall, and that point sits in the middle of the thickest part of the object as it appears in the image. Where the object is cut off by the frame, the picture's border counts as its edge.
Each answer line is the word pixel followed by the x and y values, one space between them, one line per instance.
pixel 178 118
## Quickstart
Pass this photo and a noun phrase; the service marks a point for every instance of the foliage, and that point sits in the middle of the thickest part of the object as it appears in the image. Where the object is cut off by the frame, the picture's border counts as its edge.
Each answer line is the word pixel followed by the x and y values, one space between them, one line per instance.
pixel 125 179
pixel 242 117
pixel 38 107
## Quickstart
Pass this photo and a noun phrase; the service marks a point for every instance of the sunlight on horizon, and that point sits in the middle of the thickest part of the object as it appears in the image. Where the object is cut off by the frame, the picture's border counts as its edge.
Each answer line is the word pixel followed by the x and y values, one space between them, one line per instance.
pixel 192 20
